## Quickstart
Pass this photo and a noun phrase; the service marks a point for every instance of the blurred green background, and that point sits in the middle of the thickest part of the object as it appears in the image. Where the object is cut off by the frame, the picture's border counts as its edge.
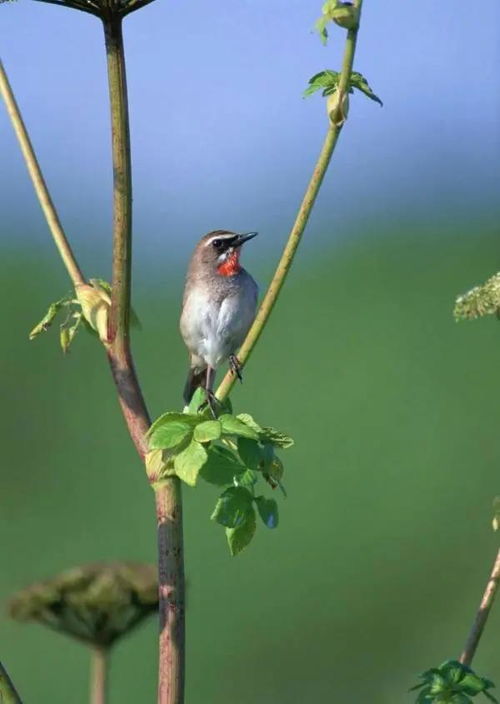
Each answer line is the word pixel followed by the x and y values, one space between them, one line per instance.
pixel 385 542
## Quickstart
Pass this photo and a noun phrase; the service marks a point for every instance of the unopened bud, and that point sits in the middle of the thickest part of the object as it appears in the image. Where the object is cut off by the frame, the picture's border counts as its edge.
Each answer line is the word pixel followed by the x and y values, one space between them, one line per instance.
pixel 95 308
pixel 337 113
pixel 345 15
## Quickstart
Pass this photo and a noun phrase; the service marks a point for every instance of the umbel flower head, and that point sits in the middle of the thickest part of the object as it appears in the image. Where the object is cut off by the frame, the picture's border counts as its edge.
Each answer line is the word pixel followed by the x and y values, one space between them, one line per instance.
pixel 96 603
pixel 102 8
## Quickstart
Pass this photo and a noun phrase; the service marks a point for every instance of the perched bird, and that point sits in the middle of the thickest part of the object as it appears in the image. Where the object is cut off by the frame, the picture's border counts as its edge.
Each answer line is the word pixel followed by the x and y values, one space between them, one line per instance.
pixel 218 308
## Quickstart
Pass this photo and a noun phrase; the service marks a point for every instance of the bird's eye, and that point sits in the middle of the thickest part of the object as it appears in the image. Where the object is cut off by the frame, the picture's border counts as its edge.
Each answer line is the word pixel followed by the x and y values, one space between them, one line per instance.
pixel 217 244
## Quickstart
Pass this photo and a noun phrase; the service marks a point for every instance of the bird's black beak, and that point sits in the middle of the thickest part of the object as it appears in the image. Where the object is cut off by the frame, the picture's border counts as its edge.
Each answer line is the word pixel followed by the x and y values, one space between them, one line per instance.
pixel 244 237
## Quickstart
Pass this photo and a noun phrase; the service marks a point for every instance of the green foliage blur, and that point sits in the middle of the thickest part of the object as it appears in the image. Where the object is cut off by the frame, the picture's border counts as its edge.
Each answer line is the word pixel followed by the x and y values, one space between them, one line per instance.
pixel 385 539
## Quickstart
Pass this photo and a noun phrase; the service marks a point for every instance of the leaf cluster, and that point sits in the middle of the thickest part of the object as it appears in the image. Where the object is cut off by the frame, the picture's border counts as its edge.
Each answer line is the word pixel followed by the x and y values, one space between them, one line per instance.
pixel 344 14
pixel 231 451
pixel 479 301
pixel 328 82
pixel 452 683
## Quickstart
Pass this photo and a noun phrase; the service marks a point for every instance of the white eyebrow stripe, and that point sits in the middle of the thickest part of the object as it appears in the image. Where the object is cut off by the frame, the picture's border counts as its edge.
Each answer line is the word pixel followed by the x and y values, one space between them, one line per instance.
pixel 227 236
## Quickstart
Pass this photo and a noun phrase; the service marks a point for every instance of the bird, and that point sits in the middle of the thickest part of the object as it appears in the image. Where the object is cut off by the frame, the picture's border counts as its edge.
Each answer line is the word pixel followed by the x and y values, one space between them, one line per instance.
pixel 218 308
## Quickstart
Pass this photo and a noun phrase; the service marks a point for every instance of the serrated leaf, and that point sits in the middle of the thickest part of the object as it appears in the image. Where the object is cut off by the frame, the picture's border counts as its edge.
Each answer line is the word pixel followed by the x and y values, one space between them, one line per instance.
pixel 453 671
pixel 324 80
pixel 250 452
pixel 247 479
pixel 189 462
pixel 232 507
pixel 173 417
pixel 248 420
pixel 207 431
pixel 268 511
pixel 221 466
pixel 276 438
pixel 170 435
pixel 49 316
pixel 232 426
pixel 238 538
pixel 359 81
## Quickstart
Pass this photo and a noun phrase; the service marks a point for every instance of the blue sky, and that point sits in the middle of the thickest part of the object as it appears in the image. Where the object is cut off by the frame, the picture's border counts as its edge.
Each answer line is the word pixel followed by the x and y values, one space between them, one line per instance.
pixel 221 134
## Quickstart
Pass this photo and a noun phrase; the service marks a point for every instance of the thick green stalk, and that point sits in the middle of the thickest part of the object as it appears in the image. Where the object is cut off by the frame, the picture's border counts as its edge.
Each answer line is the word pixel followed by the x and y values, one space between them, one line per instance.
pixel 167 493
pixel 99 675
pixel 8 694
pixel 38 181
pixel 482 614
pixel 337 120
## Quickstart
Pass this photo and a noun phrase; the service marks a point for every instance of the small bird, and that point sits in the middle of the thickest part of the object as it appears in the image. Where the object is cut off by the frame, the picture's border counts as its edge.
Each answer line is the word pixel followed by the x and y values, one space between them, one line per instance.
pixel 220 299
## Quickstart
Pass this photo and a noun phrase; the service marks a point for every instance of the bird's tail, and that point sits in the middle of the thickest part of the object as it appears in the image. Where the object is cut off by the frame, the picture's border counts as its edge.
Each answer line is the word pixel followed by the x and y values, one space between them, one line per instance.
pixel 196 378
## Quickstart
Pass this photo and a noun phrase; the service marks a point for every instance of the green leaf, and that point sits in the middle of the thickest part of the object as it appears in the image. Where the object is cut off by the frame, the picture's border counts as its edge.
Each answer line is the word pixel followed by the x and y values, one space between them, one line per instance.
pixel 238 538
pixel 105 286
pixel 233 507
pixel 268 511
pixel 199 399
pixel 453 671
pixel 250 452
pixel 248 420
pixel 276 438
pixel 173 417
pixel 472 684
pixel 207 431
pixel 49 316
pixel 248 479
pixel 221 466
pixel 68 330
pixel 170 435
pixel 359 81
pixel 320 27
pixel 324 80
pixel 233 426
pixel 189 462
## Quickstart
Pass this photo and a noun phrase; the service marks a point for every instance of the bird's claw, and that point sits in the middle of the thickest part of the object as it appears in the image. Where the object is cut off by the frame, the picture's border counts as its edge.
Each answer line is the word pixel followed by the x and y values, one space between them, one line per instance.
pixel 235 366
pixel 211 401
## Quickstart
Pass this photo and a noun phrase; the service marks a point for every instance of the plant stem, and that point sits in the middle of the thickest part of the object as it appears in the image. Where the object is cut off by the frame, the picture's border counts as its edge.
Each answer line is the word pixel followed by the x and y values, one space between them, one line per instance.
pixel 8 694
pixel 168 492
pixel 337 121
pixel 172 591
pixel 99 675
pixel 38 181
pixel 482 615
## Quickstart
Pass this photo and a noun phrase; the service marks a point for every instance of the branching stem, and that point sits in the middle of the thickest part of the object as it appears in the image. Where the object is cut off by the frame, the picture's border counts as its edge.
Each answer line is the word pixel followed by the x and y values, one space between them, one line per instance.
pixel 8 694
pixel 99 675
pixel 38 181
pixel 482 614
pixel 336 123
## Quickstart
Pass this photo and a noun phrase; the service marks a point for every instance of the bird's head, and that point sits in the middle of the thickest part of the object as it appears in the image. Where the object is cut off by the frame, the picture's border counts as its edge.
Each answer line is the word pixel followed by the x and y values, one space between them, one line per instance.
pixel 220 250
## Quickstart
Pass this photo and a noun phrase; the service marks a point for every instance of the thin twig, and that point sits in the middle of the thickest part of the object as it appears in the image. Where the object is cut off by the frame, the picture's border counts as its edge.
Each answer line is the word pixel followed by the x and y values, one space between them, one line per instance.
pixel 38 181
pixel 8 693
pixel 482 615
pixel 285 262
pixel 99 669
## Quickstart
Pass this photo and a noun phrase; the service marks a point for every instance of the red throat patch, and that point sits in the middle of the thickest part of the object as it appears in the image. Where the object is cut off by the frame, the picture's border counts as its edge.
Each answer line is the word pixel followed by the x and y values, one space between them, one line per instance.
pixel 231 265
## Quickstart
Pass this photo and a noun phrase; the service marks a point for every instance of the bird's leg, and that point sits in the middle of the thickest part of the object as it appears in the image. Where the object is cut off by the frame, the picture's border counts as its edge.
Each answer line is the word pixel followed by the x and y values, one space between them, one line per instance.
pixel 210 400
pixel 235 366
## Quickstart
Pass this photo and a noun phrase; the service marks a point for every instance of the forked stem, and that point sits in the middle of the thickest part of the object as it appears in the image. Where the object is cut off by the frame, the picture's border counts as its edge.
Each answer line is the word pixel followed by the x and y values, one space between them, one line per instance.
pixel 337 121
pixel 482 614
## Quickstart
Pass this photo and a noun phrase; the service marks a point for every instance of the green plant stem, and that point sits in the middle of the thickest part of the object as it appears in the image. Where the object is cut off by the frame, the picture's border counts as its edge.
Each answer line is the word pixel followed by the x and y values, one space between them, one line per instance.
pixel 167 493
pixel 119 352
pixel 38 181
pixel 99 675
pixel 336 123
pixel 172 591
pixel 8 694
pixel 482 614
